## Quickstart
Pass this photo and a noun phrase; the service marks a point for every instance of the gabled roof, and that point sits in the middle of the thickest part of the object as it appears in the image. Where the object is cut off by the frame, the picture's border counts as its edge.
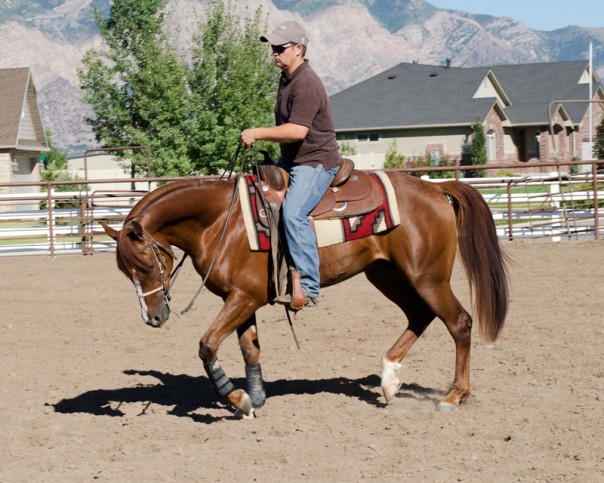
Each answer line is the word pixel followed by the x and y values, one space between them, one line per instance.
pixel 412 95
pixel 20 120
pixel 531 88
pixel 417 95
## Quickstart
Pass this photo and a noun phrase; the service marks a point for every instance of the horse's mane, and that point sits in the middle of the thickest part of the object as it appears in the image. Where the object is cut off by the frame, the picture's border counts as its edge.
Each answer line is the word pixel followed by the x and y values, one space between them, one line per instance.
pixel 155 195
pixel 128 254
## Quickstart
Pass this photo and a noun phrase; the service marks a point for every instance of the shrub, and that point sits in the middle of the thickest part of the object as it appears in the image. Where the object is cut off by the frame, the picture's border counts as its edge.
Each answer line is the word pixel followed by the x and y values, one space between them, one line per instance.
pixel 427 162
pixel 394 159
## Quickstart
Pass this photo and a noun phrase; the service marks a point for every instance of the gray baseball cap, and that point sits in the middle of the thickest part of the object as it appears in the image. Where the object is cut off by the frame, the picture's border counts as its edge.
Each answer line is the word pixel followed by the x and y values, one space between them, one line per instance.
pixel 287 32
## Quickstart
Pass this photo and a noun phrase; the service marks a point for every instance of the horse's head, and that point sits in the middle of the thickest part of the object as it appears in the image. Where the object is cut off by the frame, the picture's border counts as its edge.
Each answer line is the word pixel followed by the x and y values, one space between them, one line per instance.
pixel 148 264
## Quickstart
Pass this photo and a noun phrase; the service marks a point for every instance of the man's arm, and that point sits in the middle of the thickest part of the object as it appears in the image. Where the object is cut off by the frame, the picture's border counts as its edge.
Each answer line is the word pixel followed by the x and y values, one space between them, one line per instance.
pixel 283 134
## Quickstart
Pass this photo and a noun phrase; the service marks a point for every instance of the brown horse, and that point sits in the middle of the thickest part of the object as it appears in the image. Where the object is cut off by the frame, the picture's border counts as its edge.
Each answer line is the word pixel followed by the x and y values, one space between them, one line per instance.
pixel 410 264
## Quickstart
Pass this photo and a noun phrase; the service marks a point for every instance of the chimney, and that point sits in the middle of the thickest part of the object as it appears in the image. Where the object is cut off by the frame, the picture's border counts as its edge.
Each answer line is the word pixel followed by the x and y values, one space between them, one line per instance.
pixel 447 63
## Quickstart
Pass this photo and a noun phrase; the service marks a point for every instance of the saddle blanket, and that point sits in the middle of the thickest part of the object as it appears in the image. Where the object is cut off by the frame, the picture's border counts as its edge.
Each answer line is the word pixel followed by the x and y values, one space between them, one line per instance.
pixel 329 231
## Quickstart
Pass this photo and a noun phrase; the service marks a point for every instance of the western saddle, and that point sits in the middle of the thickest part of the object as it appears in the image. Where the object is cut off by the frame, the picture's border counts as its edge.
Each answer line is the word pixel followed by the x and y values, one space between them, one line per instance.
pixel 351 193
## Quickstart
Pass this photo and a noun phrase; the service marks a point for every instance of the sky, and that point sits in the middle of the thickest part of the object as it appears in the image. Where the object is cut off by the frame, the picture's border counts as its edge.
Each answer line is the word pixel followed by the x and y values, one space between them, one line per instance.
pixel 544 15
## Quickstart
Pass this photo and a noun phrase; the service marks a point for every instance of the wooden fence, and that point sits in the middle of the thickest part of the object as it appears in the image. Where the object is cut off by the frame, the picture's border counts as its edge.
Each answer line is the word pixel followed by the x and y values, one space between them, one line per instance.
pixel 545 206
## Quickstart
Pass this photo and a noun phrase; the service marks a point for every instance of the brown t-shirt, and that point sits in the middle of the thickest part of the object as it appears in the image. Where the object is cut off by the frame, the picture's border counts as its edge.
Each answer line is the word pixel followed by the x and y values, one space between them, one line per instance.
pixel 302 99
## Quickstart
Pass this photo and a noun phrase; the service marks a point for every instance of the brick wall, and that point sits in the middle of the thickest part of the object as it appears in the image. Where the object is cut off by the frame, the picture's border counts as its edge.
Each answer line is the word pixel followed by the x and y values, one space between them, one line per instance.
pixel 493 122
pixel 436 148
pixel 569 142
pixel 583 133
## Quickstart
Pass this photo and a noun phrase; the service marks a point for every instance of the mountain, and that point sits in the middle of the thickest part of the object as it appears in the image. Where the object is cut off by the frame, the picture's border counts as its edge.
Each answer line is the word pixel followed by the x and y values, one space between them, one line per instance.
pixel 351 40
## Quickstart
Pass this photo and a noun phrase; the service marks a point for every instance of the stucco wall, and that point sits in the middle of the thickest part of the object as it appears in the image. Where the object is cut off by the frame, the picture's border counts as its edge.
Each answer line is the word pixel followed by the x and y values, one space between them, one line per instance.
pixel 6 168
pixel 411 143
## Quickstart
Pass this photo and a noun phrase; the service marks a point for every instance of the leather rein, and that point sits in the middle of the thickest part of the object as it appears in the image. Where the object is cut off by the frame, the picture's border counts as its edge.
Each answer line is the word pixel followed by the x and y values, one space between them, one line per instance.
pixel 159 259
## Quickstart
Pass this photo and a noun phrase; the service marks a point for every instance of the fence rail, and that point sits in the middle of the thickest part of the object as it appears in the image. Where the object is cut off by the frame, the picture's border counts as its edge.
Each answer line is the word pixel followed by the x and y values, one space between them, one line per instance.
pixel 551 206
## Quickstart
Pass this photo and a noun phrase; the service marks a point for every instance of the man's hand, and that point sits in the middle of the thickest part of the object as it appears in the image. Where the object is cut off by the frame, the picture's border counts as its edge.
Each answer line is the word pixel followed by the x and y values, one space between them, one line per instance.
pixel 248 138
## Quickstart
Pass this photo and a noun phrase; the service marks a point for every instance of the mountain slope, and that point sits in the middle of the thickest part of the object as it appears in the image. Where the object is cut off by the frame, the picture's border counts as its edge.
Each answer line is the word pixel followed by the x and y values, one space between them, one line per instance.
pixel 350 41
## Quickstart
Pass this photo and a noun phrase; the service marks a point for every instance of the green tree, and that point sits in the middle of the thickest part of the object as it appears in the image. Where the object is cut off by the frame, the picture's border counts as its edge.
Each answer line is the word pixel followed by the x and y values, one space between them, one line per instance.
pixel 137 88
pixel 478 148
pixel 55 169
pixel 394 159
pixel 346 149
pixel 598 147
pixel 233 84
pixel 426 161
pixel 54 162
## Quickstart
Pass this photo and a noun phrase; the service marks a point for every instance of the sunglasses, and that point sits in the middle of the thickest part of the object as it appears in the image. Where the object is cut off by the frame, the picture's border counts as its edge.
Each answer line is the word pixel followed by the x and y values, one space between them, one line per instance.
pixel 279 49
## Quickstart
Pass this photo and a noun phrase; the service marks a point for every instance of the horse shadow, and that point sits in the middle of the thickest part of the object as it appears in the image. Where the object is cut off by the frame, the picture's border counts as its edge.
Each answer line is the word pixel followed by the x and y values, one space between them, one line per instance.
pixel 187 394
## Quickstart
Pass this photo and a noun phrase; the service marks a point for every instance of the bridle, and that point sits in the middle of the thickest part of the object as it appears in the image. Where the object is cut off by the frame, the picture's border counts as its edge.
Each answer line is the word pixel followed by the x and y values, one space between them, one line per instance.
pixel 157 248
pixel 160 261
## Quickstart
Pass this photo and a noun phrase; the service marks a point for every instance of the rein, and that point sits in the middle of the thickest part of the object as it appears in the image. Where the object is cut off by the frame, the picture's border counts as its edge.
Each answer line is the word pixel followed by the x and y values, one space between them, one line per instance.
pixel 159 259
pixel 156 246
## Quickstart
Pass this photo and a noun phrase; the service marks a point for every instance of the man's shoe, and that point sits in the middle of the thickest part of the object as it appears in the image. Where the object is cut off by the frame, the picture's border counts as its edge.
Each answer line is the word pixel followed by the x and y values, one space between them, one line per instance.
pixel 311 301
pixel 286 299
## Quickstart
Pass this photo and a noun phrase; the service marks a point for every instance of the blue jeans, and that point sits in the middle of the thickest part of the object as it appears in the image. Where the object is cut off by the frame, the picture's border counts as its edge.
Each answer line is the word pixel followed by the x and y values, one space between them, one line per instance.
pixel 307 185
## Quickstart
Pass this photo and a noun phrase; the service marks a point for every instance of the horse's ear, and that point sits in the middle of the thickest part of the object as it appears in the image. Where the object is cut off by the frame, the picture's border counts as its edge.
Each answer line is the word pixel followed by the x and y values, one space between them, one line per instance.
pixel 137 229
pixel 113 233
pixel 133 230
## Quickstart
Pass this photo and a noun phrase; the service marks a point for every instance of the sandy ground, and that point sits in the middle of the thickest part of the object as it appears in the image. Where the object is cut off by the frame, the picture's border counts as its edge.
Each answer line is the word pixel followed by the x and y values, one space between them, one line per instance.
pixel 88 392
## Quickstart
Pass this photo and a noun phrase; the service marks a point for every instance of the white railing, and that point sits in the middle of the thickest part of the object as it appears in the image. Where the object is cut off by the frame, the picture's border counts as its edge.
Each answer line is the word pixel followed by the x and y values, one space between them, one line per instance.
pixel 546 206
pixel 52 230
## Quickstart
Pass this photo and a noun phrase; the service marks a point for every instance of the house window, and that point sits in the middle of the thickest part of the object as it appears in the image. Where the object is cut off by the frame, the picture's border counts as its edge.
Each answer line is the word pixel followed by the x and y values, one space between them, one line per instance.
pixel 368 137
pixel 491 151
pixel 538 145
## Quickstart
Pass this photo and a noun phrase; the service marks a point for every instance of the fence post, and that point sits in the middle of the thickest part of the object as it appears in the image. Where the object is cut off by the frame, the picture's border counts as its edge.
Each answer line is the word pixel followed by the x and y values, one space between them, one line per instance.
pixel 51 220
pixel 554 191
pixel 510 212
pixel 594 175
pixel 85 225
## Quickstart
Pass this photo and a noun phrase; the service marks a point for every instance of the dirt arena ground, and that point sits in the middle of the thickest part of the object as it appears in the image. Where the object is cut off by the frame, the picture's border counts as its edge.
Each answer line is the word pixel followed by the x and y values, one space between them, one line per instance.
pixel 88 392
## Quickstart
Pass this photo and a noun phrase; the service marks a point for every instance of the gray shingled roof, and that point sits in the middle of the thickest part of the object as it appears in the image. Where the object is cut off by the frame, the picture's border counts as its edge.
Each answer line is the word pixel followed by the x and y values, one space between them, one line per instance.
pixel 531 87
pixel 13 91
pixel 414 95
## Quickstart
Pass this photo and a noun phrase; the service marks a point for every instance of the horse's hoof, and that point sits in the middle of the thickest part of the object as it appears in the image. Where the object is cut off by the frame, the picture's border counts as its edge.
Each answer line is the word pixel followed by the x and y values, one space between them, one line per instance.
pixel 390 391
pixel 241 401
pixel 241 415
pixel 390 380
pixel 445 407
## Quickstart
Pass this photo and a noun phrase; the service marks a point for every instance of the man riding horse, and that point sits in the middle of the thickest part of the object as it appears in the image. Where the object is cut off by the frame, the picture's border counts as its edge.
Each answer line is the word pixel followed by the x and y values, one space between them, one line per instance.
pixel 305 130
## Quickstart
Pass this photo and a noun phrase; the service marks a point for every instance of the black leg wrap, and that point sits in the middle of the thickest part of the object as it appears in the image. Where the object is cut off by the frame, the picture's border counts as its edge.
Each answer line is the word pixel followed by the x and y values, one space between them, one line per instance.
pixel 222 384
pixel 255 385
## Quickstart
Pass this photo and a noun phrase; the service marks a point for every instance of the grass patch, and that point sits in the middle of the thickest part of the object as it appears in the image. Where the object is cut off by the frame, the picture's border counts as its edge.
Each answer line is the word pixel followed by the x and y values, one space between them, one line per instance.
pixel 521 190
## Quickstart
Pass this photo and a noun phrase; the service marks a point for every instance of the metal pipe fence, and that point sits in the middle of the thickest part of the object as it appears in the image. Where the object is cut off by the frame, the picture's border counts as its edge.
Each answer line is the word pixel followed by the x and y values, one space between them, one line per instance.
pixel 561 202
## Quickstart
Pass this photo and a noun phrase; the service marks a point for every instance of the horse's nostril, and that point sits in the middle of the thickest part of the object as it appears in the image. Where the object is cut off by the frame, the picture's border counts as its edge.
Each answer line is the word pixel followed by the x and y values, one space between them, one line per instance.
pixel 154 322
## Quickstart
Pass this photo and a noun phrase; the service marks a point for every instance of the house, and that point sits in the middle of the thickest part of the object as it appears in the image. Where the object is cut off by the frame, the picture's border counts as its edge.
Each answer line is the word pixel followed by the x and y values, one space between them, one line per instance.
pixel 22 137
pixel 428 111
pixel 104 166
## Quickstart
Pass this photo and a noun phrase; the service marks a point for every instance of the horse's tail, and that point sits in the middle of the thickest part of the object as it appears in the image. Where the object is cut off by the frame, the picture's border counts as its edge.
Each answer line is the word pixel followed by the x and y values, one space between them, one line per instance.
pixel 483 259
